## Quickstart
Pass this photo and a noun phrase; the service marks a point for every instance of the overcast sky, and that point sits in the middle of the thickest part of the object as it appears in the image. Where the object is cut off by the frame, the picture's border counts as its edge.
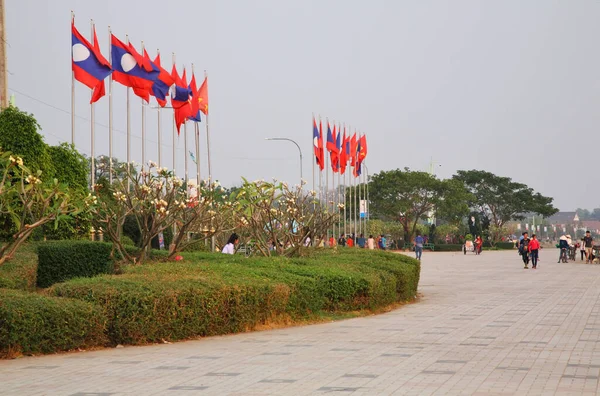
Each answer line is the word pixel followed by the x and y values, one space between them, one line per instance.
pixel 511 86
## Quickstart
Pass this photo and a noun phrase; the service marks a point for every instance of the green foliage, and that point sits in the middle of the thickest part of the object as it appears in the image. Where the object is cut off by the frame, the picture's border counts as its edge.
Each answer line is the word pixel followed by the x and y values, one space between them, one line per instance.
pixel 63 260
pixel 409 196
pixel 70 167
pixel 449 247
pixel 20 272
pixel 501 200
pixel 208 294
pixel 19 135
pixel 32 323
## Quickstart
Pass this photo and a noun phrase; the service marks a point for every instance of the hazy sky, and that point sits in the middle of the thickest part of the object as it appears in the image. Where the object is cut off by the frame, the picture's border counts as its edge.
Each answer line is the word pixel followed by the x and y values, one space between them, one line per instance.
pixel 508 86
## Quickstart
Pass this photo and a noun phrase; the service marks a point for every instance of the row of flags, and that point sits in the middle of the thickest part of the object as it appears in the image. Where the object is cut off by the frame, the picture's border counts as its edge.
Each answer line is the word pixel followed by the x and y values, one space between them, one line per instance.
pixel 342 148
pixel 136 70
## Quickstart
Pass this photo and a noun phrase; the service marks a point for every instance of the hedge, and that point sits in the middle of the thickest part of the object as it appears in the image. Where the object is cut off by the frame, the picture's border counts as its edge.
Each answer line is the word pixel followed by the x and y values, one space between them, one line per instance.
pixel 32 323
pixel 59 261
pixel 210 294
pixel 20 271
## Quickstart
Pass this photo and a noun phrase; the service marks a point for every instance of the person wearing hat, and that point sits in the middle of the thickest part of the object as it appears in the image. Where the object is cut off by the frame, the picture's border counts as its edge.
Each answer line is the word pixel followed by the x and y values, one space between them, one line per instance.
pixel 563 245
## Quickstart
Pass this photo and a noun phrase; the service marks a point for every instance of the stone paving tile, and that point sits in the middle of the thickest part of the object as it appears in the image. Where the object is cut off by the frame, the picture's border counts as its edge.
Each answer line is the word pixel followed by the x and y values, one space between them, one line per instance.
pixel 484 326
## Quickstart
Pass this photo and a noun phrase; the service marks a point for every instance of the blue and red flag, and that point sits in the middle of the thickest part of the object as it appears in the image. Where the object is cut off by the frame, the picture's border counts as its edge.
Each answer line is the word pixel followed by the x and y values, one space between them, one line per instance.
pixel 318 145
pixel 89 66
pixel 132 69
pixel 338 145
pixel 195 104
pixel 180 99
pixel 332 146
pixel 358 163
pixel 162 84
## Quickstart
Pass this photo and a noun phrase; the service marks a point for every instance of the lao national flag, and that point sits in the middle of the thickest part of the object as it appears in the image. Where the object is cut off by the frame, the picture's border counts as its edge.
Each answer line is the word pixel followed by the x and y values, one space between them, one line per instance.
pixel 132 70
pixel 358 163
pixel 162 84
pixel 180 99
pixel 89 66
pixel 353 144
pixel 332 146
pixel 338 145
pixel 318 145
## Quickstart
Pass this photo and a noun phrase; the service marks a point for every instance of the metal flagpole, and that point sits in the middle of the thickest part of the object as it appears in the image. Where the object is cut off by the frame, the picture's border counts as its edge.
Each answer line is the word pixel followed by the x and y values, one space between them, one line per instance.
pixel 345 189
pixel 314 187
pixel 143 127
pixel 197 138
pixel 208 137
pixel 355 199
pixel 185 149
pixel 174 130
pixel 128 131
pixel 158 131
pixel 110 112
pixel 326 173
pixel 92 116
pixel 72 92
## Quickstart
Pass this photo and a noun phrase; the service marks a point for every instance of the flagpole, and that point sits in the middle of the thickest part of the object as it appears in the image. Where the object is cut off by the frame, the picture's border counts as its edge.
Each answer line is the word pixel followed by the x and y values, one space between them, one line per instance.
pixel 92 116
pixel 314 187
pixel 344 178
pixel 159 138
pixel 208 135
pixel 197 139
pixel 143 126
pixel 359 193
pixel 174 128
pixel 110 112
pixel 185 148
pixel 72 90
pixel 355 197
pixel 128 131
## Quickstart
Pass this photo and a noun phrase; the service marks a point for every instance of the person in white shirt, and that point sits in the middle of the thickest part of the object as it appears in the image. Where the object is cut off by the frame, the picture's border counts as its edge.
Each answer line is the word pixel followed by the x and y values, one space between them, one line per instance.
pixel 230 247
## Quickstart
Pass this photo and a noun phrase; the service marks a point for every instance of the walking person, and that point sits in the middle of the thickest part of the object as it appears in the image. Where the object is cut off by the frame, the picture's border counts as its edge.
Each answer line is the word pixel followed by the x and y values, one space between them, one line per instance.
pixel 524 249
pixel 582 248
pixel 588 242
pixel 419 246
pixel 478 244
pixel 563 245
pixel 534 249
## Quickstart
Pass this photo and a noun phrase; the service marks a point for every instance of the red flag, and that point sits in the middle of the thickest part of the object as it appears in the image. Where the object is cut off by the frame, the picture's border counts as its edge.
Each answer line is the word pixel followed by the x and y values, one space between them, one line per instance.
pixel 344 154
pixel 353 146
pixel 362 153
pixel 203 96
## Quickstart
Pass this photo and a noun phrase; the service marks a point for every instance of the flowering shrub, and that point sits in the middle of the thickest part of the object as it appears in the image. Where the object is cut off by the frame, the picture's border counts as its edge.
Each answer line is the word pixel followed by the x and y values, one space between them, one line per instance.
pixel 280 219
pixel 157 199
pixel 30 202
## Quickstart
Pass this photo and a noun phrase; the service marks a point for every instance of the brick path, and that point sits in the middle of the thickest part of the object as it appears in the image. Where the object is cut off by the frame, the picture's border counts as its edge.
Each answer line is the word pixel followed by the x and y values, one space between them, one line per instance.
pixel 484 326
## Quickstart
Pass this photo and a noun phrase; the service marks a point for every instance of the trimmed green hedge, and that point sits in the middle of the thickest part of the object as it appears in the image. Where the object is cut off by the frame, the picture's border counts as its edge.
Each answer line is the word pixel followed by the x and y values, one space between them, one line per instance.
pixel 209 294
pixel 20 271
pixel 59 261
pixel 32 323
pixel 449 247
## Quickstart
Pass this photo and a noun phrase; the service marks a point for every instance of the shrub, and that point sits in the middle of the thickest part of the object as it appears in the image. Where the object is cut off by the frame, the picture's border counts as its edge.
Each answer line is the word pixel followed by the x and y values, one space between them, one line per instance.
pixel 20 272
pixel 449 247
pixel 62 260
pixel 505 245
pixel 32 323
pixel 208 294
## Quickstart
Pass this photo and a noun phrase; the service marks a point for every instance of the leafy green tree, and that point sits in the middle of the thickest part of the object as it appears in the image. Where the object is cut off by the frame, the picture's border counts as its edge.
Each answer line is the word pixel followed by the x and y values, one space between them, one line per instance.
pixel 19 135
pixel 409 196
pixel 501 200
pixel 70 167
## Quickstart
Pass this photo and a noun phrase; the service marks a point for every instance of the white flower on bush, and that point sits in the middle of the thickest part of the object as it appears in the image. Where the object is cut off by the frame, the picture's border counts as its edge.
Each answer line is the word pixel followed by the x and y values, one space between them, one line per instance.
pixel 341 206
pixel 146 189
pixel 152 164
pixel 32 180
pixel 119 196
pixel 16 160
pixel 177 182
pixel 313 193
pixel 244 221
pixel 216 184
pixel 303 182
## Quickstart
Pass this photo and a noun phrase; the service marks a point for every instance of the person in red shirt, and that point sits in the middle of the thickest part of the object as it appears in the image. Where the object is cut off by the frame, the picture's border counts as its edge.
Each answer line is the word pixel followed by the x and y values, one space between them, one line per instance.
pixel 350 242
pixel 534 248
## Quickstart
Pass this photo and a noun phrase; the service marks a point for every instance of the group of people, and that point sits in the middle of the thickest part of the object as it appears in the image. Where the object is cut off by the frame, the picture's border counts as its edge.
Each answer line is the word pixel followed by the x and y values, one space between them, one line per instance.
pixel 350 241
pixel 529 249
pixel 568 248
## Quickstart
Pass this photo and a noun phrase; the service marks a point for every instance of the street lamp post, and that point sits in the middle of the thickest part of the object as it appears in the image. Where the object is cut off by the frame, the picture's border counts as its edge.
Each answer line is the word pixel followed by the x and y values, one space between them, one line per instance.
pixel 299 150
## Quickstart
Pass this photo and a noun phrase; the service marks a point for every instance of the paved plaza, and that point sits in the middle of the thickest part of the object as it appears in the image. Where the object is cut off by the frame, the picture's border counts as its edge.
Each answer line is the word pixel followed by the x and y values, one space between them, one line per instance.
pixel 483 325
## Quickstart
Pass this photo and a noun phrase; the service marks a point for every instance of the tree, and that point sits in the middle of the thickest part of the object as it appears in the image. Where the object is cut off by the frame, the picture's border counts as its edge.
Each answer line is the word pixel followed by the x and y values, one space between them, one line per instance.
pixel 409 196
pixel 70 167
pixel 501 200
pixel 19 135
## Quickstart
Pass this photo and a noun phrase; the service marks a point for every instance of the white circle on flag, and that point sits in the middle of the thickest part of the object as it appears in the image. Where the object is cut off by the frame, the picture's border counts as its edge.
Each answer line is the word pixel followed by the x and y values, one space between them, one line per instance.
pixel 80 52
pixel 316 142
pixel 128 62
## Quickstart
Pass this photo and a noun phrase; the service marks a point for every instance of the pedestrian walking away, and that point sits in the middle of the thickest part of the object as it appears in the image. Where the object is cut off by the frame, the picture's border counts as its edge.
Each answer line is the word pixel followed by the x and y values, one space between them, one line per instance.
pixel 563 246
pixel 371 243
pixel 419 246
pixel 588 242
pixel 534 249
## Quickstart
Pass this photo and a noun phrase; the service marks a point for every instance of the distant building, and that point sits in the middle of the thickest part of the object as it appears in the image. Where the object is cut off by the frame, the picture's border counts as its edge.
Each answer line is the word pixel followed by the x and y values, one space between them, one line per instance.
pixel 564 218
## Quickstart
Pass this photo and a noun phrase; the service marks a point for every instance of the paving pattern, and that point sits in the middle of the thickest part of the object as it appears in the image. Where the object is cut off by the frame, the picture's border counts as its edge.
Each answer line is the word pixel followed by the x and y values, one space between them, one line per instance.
pixel 484 325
